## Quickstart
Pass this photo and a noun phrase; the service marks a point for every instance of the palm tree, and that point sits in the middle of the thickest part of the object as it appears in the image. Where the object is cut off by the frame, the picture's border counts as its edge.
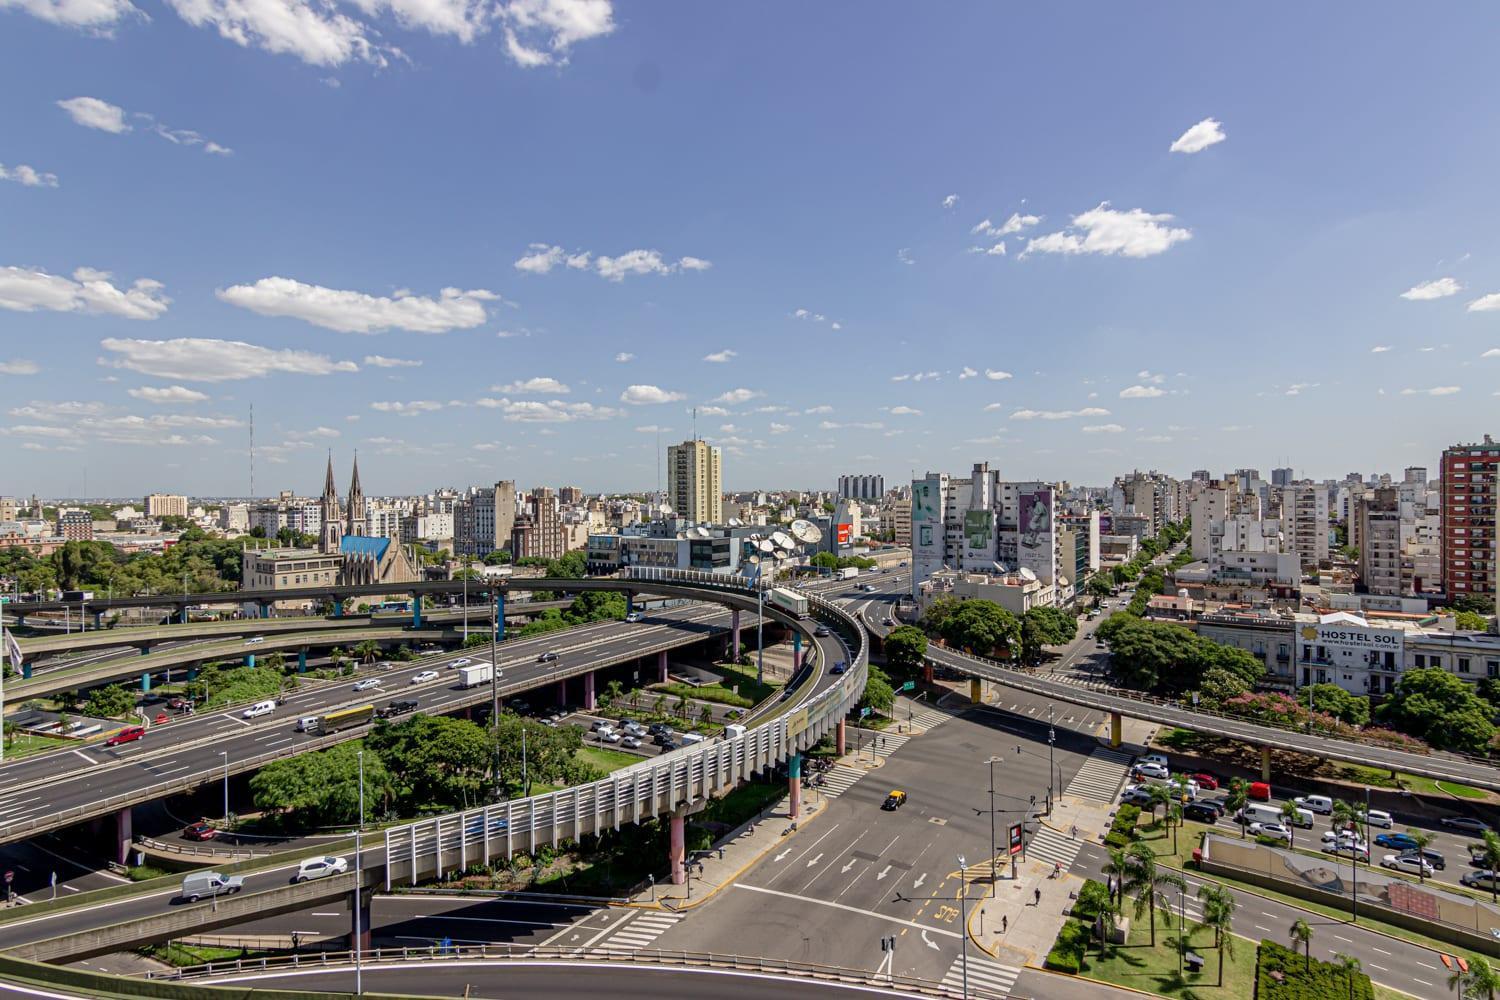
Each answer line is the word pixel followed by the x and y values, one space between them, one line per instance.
pixel 1118 866
pixel 1151 884
pixel 1302 933
pixel 1218 913
pixel 1290 813
pixel 1422 838
pixel 1492 858
pixel 1160 796
pixel 1174 820
pixel 1480 980
pixel 1349 966
pixel 659 706
pixel 612 692
pixel 1236 799
pixel 1109 910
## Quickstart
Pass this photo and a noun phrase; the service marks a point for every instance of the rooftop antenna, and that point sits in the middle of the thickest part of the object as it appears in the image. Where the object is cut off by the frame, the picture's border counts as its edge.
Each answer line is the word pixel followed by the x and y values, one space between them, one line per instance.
pixel 252 451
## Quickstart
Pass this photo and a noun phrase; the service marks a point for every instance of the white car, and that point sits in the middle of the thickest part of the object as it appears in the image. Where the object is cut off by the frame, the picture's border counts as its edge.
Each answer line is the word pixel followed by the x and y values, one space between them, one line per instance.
pixel 1409 863
pixel 367 684
pixel 1151 769
pixel 1347 849
pixel 609 736
pixel 633 728
pixel 1275 830
pixel 1380 818
pixel 630 743
pixel 634 616
pixel 1343 837
pixel 258 709
pixel 1156 758
pixel 425 676
pixel 312 868
pixel 254 639
pixel 462 661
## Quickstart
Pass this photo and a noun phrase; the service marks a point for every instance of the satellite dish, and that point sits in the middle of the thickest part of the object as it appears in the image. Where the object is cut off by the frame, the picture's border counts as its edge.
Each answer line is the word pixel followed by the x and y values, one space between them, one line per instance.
pixel 783 540
pixel 735 522
pixel 766 545
pixel 806 532
pixel 753 560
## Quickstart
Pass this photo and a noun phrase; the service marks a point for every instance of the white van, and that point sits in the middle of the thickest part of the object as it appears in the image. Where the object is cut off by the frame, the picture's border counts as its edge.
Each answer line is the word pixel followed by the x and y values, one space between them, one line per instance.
pixel 310 724
pixel 1379 817
pixel 1321 804
pixel 258 709
pixel 1262 812
pixel 691 738
pixel 196 885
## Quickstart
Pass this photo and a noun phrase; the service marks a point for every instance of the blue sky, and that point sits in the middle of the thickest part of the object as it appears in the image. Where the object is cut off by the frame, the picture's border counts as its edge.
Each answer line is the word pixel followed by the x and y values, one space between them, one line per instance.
pixel 563 209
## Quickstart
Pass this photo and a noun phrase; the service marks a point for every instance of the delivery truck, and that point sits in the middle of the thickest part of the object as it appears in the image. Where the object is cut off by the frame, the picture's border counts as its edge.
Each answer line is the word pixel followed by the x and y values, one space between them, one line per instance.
pixel 474 675
pixel 789 601
pixel 847 573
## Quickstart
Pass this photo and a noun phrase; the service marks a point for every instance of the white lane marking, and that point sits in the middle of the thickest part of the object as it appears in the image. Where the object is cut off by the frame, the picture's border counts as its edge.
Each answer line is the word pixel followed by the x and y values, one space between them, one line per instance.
pixel 929 942
pixel 80 753
pixel 849 909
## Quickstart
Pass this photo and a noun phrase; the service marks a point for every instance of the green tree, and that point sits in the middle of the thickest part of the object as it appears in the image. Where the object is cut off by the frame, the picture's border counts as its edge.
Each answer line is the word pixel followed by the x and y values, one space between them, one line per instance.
pixel 1218 913
pixel 1054 626
pixel 1335 701
pixel 435 761
pixel 1302 933
pixel 1290 813
pixel 706 715
pixel 1478 980
pixel 1099 586
pixel 367 651
pixel 982 627
pixel 1423 839
pixel 878 694
pixel 110 702
pixel 1492 859
pixel 612 692
pixel 321 788
pixel 1154 885
pixel 1440 709
pixel 905 648
pixel 499 557
pixel 1235 800
pixel 1219 685
pixel 1349 966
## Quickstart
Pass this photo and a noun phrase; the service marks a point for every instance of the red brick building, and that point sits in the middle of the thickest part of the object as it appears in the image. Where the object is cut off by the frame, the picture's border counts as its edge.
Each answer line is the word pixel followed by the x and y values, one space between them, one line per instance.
pixel 1470 475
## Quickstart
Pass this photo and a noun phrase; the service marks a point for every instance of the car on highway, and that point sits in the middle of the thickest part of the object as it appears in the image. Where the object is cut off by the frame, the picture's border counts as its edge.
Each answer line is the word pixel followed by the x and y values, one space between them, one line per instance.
pixel 1206 781
pixel 258 709
pixel 127 735
pixel 1342 836
pixel 462 661
pixel 1433 858
pixel 1274 830
pixel 196 885
pixel 1150 769
pixel 609 736
pixel 1136 795
pixel 839 667
pixel 1156 758
pixel 1409 863
pixel 634 616
pixel 1258 791
pixel 312 868
pixel 367 684
pixel 631 742
pixel 201 830
pixel 1320 804
pixel 633 728
pixel 601 724
pixel 400 707
pixel 1487 879
pixel 894 801
pixel 425 676
pixel 180 704
pixel 1400 841
pixel 1465 824
pixel 822 631
pixel 1349 849
pixel 546 657
pixel 887 620
pixel 1202 812
pixel 1379 817
pixel 255 639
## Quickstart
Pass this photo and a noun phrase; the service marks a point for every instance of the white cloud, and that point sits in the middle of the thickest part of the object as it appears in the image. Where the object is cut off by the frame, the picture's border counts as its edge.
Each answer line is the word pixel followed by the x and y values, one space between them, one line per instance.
pixel 1380 348
pixel 1155 438
pixel 1439 390
pixel 996 376
pixel 652 429
pixel 998 250
pixel 380 361
pixel 1088 411
pixel 644 395
pixel 1102 429
pixel 91 291
pixel 1155 378
pixel 624 357
pixel 97 16
pixel 1298 388
pixel 1438 288
pixel 356 312
pixel 544 258
pixel 829 425
pixel 90 112
pixel 1104 230
pixel 1015 224
pixel 736 396
pixel 540 32
pixel 720 357
pixel 19 366
pixel 27 176
pixel 169 394
pixel 713 411
pixel 917 377
pixel 814 410
pixel 1198 138
pixel 904 256
pixel 541 384
pixel 552 411
pixel 1493 352
pixel 412 409
pixel 904 411
pixel 1142 392
pixel 1487 303
pixel 198 359
pixel 967 372
pixel 950 201
pixel 780 428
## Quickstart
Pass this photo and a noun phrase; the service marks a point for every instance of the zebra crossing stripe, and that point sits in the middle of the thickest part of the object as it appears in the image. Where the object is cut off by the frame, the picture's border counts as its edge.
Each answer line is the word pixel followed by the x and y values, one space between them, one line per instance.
pixel 643 930
pixel 1100 776
pixel 986 979
pixel 1049 845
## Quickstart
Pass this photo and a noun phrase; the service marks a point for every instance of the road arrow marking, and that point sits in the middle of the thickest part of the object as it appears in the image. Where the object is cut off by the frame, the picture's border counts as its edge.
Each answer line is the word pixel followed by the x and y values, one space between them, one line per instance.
pixel 929 942
pixel 883 873
pixel 847 867
pixel 815 860
pixel 920 879
pixel 782 854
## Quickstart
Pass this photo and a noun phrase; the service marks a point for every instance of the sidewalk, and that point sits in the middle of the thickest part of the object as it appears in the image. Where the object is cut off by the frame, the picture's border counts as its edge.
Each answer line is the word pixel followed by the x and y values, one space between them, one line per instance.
pixel 1013 926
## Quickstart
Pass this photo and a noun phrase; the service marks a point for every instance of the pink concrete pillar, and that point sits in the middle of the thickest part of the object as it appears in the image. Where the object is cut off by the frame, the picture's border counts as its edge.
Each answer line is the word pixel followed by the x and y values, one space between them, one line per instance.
pixel 562 692
pixel 734 635
pixel 839 738
pixel 589 700
pixel 794 780
pixel 677 850
pixel 363 909
pixel 123 835
pixel 661 666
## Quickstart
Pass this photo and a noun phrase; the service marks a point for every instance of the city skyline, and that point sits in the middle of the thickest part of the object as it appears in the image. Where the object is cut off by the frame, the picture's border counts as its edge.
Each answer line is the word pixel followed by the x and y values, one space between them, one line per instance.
pixel 526 249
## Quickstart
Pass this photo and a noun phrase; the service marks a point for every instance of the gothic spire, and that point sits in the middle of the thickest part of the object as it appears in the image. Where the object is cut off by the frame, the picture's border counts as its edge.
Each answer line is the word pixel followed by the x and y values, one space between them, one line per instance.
pixel 329 490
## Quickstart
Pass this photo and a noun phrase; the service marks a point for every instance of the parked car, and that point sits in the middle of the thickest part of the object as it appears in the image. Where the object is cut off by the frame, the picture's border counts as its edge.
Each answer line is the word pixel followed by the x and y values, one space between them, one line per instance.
pixel 425 676
pixel 1400 841
pixel 631 743
pixel 1276 830
pixel 201 830
pixel 258 709
pixel 367 684
pixel 312 868
pixel 1465 824
pixel 546 657
pixel 894 801
pixel 1409 863
pixel 1150 769
pixel 127 735
pixel 1206 781
pixel 1486 879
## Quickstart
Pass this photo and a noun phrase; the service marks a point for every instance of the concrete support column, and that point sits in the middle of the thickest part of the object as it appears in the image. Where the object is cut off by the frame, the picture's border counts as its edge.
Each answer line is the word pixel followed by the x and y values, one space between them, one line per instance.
pixel 838 739
pixel 361 905
pixel 1115 737
pixel 734 635
pixel 301 661
pixel 182 616
pixel 794 781
pixel 500 616
pixel 927 672
pixel 562 692
pixel 26 671
pixel 123 836
pixel 677 849
pixel 265 609
pixel 1265 764
pixel 145 649
pixel 796 650
pixel 249 659
pixel 661 666
pixel 338 609
pixel 976 690
pixel 416 610
pixel 98 620
pixel 146 681
pixel 589 699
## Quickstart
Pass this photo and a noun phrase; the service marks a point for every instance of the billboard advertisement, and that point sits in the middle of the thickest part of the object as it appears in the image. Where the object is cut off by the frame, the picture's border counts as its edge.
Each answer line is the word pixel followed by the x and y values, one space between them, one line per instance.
pixel 926 527
pixel 1036 541
pixel 844 533
pixel 979 530
pixel 1015 838
pixel 926 501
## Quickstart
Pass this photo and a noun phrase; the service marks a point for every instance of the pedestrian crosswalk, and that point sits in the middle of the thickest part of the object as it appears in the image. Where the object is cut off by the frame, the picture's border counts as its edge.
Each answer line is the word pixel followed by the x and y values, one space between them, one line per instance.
pixel 643 930
pixel 924 717
pixel 985 978
pixel 838 779
pixel 1048 845
pixel 1101 776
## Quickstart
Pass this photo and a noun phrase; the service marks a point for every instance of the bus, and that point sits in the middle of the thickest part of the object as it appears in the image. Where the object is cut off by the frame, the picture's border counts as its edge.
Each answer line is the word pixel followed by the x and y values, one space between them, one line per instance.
pixel 346 718
pixel 402 606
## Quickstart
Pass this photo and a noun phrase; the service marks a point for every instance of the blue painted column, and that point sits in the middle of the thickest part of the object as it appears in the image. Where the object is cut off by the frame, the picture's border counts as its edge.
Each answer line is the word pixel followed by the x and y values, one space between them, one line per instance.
pixel 796 650
pixel 794 778
pixel 499 616
pixel 265 609
pixel 338 609
pixel 249 659
pixel 98 620
pixel 301 661
pixel 192 673
pixel 416 610
pixel 145 649
pixel 26 671
pixel 146 682
pixel 182 616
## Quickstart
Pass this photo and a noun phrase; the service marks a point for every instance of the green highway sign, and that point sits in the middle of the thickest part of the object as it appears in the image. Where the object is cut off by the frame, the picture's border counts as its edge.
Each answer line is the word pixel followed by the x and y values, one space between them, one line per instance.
pixel 864 712
pixel 909 685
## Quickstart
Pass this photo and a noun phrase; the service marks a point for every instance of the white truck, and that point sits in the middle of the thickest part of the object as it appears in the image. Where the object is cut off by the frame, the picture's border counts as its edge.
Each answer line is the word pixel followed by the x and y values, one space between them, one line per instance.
pixel 474 675
pixel 790 601
pixel 847 573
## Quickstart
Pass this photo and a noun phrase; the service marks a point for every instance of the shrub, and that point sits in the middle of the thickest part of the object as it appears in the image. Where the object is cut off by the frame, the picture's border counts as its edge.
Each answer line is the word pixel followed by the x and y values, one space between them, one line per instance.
pixel 1069 948
pixel 1086 906
pixel 1296 979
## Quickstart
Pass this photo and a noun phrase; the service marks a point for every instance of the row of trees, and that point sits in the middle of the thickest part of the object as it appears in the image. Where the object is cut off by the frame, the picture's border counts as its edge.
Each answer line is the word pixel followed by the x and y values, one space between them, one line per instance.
pixel 1168 659
pixel 197 561
pixel 986 629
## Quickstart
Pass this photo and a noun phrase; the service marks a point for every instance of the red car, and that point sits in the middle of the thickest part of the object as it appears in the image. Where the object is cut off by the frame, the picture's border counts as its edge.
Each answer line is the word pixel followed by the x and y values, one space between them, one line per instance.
pixel 127 735
pixel 201 830
pixel 1206 781
pixel 1259 791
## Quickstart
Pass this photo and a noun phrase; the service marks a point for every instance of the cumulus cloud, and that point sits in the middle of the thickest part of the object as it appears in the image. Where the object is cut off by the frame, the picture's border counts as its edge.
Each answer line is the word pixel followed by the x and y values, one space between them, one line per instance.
pixel 198 359
pixel 1437 390
pixel 917 377
pixel 713 411
pixel 646 395
pixel 1299 388
pixel 653 429
pixel 1102 429
pixel 736 396
pixel 904 256
pixel 998 250
pixel 903 411
pixel 950 201
pixel 1142 392
pixel 95 16
pixel 414 408
pixel 823 408
pixel 27 176
pixel 624 357
pixel 541 385
pixel 996 376
pixel 720 357
pixel 872 425
pixel 552 411
pixel 380 361
pixel 1487 303
pixel 1155 378
pixel 1015 224
pixel 19 366
pixel 357 312
pixel 543 258
pixel 967 372
pixel 1206 133
pixel 1108 231
pixel 90 112
pixel 90 291
pixel 1087 411
pixel 1380 348
pixel 168 394
pixel 780 428
pixel 1493 352
pixel 1438 288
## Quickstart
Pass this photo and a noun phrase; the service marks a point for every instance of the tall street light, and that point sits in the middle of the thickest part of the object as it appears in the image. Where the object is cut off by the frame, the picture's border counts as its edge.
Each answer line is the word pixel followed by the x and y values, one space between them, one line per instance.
pixel 225 755
pixel 994 873
pixel 963 906
pixel 359 985
pixel 1051 738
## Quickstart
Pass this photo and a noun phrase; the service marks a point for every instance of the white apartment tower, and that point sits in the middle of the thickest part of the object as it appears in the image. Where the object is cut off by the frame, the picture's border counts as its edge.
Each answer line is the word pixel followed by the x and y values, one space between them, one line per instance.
pixel 695 482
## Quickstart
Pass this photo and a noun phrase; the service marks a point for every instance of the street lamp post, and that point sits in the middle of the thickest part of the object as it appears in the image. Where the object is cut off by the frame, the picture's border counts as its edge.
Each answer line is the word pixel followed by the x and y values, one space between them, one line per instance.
pixel 963 906
pixel 359 969
pixel 225 755
pixel 1051 738
pixel 994 852
pixel 495 696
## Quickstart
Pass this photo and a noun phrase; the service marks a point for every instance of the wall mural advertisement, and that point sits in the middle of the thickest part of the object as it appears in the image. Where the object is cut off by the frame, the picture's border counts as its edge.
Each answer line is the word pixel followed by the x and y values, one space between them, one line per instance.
pixel 979 530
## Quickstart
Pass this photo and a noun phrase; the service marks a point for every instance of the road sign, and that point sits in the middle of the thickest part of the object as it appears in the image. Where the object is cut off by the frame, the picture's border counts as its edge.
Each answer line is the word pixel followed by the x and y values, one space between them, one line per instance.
pixel 1015 838
pixel 909 685
pixel 864 712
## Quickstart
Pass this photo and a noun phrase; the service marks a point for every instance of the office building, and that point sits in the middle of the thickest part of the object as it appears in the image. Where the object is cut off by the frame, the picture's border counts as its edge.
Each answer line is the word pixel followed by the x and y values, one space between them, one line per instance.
pixel 1282 477
pixel 484 520
pixel 695 482
pixel 861 487
pixel 166 505
pixel 538 531
pixel 1469 474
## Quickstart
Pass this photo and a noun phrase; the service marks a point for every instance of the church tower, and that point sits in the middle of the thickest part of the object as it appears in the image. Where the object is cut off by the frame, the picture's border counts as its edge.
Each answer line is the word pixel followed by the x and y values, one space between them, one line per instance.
pixel 332 526
pixel 356 524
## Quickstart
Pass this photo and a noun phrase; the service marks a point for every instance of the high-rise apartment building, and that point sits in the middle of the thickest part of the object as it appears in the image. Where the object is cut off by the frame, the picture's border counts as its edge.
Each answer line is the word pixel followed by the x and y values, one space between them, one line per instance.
pixel 1378 515
pixel 570 495
pixel 166 505
pixel 695 482
pixel 484 520
pixel 1282 477
pixel 539 530
pixel 76 526
pixel 1469 474
pixel 1415 474
pixel 1304 523
pixel 861 487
